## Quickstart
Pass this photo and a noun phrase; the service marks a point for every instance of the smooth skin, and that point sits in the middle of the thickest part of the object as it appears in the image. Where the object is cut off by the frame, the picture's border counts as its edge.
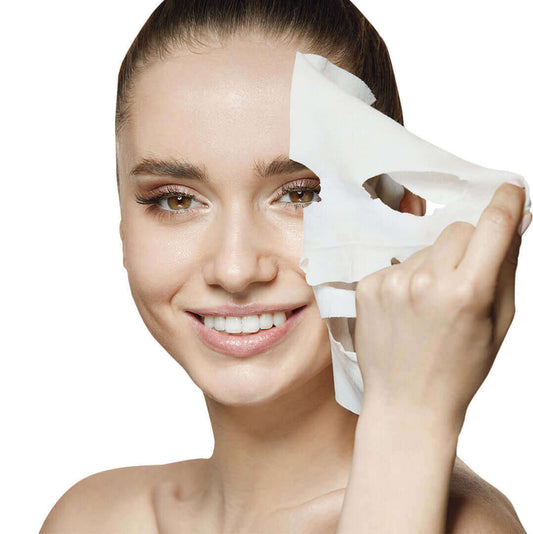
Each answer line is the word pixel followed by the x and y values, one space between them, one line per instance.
pixel 286 455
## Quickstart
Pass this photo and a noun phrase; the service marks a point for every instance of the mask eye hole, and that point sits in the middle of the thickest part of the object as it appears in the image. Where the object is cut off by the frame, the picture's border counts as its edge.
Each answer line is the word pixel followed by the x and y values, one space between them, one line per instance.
pixel 384 188
pixel 391 192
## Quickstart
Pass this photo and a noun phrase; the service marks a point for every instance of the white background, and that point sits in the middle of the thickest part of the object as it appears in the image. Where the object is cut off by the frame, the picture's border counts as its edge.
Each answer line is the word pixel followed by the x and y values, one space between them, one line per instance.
pixel 84 387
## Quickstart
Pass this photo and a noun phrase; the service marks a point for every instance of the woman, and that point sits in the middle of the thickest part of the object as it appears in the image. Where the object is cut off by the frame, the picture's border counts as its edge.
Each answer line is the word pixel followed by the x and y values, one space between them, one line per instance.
pixel 212 227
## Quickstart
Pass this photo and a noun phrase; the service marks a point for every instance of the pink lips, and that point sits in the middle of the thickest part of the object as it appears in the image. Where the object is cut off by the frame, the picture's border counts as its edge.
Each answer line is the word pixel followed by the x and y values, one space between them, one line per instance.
pixel 244 345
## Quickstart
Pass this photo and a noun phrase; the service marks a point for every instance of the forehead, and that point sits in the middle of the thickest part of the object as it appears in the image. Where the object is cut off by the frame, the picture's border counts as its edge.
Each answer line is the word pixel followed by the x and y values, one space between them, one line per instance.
pixel 223 105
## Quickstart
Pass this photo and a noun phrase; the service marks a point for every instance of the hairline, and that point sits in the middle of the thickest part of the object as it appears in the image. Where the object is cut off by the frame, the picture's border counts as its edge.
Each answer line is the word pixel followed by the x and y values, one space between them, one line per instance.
pixel 204 40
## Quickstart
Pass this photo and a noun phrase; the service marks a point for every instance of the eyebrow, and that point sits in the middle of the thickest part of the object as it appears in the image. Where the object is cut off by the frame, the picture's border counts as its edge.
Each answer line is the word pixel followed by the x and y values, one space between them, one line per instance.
pixel 183 169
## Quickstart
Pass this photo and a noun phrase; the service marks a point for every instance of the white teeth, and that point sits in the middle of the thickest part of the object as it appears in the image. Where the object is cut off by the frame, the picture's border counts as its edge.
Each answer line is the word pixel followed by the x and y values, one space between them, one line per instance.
pixel 245 325
pixel 266 321
pixel 250 324
pixel 233 325
pixel 220 323
pixel 279 318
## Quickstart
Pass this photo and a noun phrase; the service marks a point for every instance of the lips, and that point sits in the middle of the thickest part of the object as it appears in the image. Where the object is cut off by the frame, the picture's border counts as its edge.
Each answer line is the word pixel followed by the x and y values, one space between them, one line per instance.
pixel 245 345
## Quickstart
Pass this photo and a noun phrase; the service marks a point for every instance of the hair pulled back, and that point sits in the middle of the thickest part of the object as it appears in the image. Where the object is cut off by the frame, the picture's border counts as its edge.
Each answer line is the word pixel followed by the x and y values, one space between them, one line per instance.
pixel 335 29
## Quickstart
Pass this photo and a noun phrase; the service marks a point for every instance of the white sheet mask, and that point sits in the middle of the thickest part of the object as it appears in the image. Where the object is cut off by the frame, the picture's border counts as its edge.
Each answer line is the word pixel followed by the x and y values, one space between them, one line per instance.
pixel 349 234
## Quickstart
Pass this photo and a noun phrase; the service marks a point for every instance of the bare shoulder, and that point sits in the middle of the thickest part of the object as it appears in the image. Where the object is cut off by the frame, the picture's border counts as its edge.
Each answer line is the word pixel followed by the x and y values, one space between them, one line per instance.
pixel 476 506
pixel 115 501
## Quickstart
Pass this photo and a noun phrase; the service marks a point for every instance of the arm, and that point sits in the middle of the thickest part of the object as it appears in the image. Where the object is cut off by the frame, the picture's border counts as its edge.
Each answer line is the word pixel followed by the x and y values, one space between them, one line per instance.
pixel 427 333
pixel 400 476
pixel 469 504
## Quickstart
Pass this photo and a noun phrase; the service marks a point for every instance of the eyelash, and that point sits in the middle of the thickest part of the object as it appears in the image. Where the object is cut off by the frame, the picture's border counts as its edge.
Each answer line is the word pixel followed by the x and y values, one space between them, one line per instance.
pixel 152 200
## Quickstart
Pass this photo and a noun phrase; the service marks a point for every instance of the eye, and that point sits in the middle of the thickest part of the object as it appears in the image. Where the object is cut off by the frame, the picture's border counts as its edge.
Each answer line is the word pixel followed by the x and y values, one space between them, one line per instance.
pixel 300 193
pixel 178 202
pixel 169 202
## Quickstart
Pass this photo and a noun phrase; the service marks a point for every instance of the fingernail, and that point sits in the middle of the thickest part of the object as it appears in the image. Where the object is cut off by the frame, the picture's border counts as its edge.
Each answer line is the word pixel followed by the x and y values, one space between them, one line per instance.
pixel 516 181
pixel 524 225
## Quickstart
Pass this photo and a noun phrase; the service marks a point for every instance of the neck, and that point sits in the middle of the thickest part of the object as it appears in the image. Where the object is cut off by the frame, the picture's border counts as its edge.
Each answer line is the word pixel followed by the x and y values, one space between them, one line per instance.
pixel 281 453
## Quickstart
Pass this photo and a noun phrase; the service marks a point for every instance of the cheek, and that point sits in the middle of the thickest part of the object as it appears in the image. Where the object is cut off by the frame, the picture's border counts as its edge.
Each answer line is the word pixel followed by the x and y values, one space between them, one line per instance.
pixel 291 231
pixel 159 260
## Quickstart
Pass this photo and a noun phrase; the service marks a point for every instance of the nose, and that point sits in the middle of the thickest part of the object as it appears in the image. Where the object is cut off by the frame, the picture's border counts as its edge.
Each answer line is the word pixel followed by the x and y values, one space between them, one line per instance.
pixel 242 251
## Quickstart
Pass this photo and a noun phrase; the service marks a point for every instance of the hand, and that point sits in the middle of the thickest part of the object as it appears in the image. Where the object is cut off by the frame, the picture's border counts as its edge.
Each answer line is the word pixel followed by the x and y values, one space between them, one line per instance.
pixel 428 329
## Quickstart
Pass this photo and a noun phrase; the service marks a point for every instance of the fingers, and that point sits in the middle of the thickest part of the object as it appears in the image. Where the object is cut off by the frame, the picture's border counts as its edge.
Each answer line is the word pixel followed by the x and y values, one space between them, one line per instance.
pixel 447 251
pixel 449 248
pixel 492 237
pixel 416 259
pixel 504 299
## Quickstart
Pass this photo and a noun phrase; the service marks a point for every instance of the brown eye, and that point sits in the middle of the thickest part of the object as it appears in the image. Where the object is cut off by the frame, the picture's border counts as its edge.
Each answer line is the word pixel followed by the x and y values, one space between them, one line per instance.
pixel 179 202
pixel 300 196
pixel 173 202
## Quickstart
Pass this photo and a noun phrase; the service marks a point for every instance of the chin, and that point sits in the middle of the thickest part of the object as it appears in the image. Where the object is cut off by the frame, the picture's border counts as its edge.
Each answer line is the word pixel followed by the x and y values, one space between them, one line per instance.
pixel 260 380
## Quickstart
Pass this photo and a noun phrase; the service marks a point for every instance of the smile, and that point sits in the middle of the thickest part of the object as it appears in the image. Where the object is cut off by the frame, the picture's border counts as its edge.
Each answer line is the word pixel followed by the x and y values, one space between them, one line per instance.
pixel 248 324
pixel 245 335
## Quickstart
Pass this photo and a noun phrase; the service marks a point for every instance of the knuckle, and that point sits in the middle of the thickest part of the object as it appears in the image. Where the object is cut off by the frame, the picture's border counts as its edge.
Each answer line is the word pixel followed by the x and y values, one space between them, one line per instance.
pixel 393 283
pixel 457 231
pixel 500 216
pixel 461 228
pixel 465 297
pixel 366 288
pixel 422 282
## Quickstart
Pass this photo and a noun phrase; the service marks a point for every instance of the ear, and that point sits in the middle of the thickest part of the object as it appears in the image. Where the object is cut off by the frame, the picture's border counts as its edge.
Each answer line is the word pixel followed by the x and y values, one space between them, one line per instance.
pixel 121 232
pixel 412 203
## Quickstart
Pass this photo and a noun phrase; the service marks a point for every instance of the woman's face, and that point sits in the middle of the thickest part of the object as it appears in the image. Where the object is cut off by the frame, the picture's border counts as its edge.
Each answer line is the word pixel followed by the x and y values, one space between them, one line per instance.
pixel 214 125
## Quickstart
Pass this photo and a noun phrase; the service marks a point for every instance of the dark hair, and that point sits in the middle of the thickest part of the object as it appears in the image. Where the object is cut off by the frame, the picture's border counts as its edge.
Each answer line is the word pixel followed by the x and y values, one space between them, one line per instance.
pixel 335 29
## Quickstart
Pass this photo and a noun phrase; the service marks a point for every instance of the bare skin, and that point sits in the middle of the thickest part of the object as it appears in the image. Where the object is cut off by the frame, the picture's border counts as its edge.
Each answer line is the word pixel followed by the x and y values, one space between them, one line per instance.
pixel 284 448
pixel 166 499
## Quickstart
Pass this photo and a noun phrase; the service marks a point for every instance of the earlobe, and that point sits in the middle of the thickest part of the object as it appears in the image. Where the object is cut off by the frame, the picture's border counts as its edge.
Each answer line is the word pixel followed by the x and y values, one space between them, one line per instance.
pixel 412 203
